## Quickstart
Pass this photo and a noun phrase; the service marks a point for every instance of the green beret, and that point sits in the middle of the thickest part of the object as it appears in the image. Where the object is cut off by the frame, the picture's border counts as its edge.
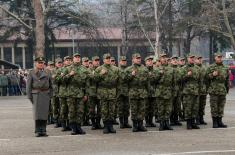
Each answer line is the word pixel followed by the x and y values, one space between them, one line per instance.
pixel 58 60
pixel 112 59
pixel 107 55
pixel 67 57
pixel 136 55
pixel 76 54
pixel 85 59
pixel 122 58
pixel 218 54
pixel 50 63
pixel 148 57
pixel 95 58
pixel 39 58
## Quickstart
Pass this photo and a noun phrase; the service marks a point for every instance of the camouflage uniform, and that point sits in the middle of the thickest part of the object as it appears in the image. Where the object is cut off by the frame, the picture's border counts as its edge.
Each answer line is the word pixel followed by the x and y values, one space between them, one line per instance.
pixel 218 88
pixel 76 91
pixel 190 93
pixel 202 94
pixel 94 102
pixel 137 93
pixel 107 93
pixel 122 97
pixel 164 89
pixel 63 94
pixel 55 99
pixel 151 100
pixel 176 103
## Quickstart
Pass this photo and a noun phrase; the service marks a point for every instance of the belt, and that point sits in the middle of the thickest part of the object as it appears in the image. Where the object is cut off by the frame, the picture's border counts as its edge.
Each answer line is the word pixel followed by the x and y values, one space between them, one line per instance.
pixel 40 89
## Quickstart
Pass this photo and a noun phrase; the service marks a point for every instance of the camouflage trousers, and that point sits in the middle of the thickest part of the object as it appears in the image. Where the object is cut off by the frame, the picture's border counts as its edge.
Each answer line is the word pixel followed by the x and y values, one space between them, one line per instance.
pixel 164 107
pixel 150 106
pixel 202 105
pixel 75 110
pixel 137 108
pixel 217 103
pixel 123 106
pixel 86 111
pixel 50 112
pixel 191 106
pixel 94 107
pixel 63 109
pixel 108 109
pixel 176 106
pixel 55 102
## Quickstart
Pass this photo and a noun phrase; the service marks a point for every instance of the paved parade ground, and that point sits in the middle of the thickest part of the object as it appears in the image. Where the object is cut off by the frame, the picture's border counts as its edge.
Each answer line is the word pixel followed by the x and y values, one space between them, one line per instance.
pixel 17 136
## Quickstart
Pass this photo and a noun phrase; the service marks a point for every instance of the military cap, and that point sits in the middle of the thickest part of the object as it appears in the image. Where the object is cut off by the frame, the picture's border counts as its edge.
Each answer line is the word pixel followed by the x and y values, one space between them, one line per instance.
pixel 67 57
pixel 198 56
pixel 107 55
pixel 112 59
pixel 174 57
pixel 90 62
pixel 122 58
pixel 136 55
pixel 218 54
pixel 39 58
pixel 148 57
pixel 190 55
pixel 76 54
pixel 50 63
pixel 95 58
pixel 162 55
pixel 85 59
pixel 58 60
pixel 181 58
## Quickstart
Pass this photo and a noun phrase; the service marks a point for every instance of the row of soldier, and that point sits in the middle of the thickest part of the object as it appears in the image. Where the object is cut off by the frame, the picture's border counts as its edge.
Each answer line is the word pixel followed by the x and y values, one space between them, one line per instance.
pixel 169 89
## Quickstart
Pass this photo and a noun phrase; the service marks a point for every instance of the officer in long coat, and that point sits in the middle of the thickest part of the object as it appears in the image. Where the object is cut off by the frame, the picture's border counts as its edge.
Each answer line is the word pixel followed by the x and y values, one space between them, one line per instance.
pixel 39 92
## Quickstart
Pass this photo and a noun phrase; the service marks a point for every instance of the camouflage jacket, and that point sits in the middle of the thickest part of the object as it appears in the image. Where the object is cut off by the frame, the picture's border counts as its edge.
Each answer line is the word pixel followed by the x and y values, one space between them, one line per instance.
pixel 55 85
pixel 106 83
pixel 92 89
pixel 218 85
pixel 62 81
pixel 151 84
pixel 203 80
pixel 122 82
pixel 138 84
pixel 164 79
pixel 191 82
pixel 77 83
pixel 177 80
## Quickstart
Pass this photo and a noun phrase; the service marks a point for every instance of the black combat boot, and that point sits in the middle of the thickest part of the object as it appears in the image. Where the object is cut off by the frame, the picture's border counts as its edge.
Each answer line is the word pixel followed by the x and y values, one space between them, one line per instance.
pixel 64 126
pixel 177 122
pixel 147 122
pixel 110 127
pixel 220 123
pixel 73 126
pixel 42 128
pixel 198 120
pixel 202 122
pixel 93 126
pixel 57 123
pixel 194 125
pixel 37 128
pixel 151 121
pixel 167 125
pixel 135 126
pixel 115 122
pixel 172 120
pixel 161 127
pixel 121 120
pixel 80 131
pixel 189 124
pixel 126 125
pixel 215 122
pixel 106 129
pixel 98 125
pixel 141 126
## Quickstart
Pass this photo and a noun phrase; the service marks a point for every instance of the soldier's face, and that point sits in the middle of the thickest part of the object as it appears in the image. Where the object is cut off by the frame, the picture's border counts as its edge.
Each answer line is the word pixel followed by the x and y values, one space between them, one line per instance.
pixel 218 59
pixel 40 64
pixel 163 60
pixel 174 61
pixel 90 65
pixel 85 63
pixel 149 62
pixel 137 60
pixel 198 61
pixel 76 59
pixel 58 65
pixel 181 62
pixel 123 63
pixel 190 60
pixel 113 62
pixel 67 62
pixel 107 61
pixel 96 62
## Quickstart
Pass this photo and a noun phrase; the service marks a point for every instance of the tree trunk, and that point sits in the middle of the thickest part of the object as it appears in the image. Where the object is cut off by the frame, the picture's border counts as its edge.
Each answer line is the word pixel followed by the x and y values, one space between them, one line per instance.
pixel 39 30
pixel 157 33
pixel 170 28
pixel 124 15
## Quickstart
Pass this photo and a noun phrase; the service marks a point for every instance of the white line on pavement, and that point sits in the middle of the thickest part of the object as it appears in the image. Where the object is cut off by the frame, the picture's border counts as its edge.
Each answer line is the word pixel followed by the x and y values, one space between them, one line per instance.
pixel 4 139
pixel 197 152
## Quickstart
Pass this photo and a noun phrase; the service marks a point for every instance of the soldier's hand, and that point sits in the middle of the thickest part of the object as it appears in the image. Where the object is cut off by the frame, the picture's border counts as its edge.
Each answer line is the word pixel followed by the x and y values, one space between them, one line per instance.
pixel 103 71
pixel 62 74
pixel 85 98
pixel 190 73
pixel 215 73
pixel 71 73
pixel 133 73
pixel 161 71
